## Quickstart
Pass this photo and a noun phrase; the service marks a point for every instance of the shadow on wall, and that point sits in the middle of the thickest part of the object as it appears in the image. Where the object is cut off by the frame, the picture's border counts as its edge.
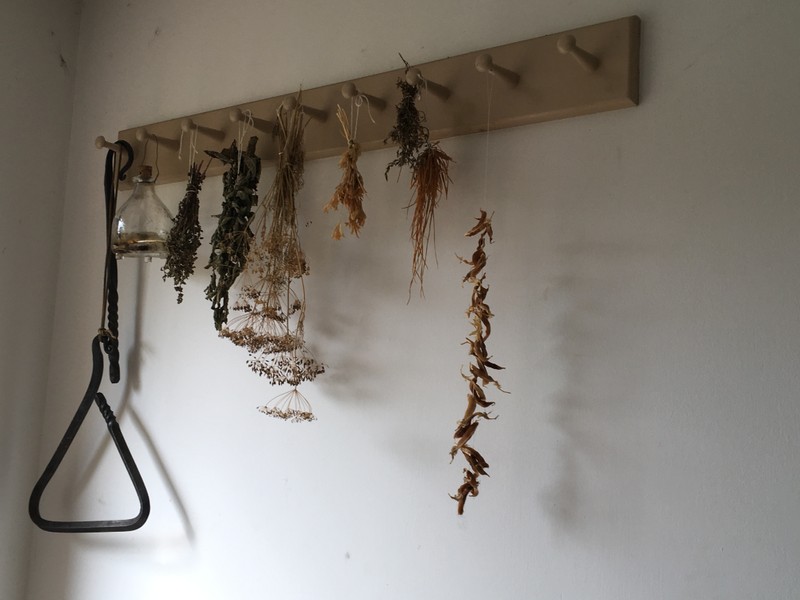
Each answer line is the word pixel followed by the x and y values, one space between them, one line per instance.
pixel 126 408
pixel 602 312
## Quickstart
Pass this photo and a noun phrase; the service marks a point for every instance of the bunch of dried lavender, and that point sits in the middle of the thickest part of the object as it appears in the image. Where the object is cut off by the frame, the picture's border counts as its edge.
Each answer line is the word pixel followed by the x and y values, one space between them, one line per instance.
pixel 272 310
pixel 230 243
pixel 184 238
pixel 479 377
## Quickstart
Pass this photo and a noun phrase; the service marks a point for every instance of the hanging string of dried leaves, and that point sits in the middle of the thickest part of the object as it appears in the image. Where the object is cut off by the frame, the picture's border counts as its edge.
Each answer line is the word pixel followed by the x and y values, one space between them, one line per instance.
pixel 230 243
pixel 350 192
pixel 479 377
pixel 272 308
pixel 184 238
pixel 430 178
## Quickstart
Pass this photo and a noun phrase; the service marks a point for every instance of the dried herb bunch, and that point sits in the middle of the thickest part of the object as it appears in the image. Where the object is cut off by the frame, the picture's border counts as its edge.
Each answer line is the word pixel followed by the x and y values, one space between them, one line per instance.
pixel 409 131
pixel 272 301
pixel 430 177
pixel 230 243
pixel 479 377
pixel 350 192
pixel 184 238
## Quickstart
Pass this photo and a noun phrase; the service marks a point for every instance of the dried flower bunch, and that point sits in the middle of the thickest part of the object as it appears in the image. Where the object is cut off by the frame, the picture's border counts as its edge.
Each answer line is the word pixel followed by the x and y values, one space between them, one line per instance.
pixel 430 177
pixel 184 238
pixel 350 192
pixel 230 243
pixel 271 307
pixel 479 377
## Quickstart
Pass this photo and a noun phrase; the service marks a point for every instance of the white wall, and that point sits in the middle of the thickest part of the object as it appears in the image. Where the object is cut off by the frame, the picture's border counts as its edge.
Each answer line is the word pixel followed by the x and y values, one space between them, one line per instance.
pixel 38 46
pixel 644 282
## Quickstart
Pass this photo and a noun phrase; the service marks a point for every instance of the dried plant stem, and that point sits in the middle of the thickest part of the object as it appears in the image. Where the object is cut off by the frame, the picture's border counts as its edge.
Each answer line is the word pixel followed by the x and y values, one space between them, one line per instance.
pixel 430 181
pixel 230 243
pixel 271 302
pixel 350 192
pixel 430 178
pixel 184 237
pixel 479 377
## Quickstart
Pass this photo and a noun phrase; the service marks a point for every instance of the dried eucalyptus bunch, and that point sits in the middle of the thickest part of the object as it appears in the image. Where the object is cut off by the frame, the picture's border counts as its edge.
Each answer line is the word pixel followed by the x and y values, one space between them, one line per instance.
pixel 230 243
pixel 350 192
pixel 184 238
pixel 271 303
pixel 430 178
pixel 479 376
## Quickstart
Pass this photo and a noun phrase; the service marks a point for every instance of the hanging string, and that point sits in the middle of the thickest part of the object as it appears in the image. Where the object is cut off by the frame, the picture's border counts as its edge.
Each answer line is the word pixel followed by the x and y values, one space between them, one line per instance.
pixel 144 154
pixel 157 171
pixel 243 126
pixel 357 102
pixel 489 90
pixel 193 145
pixel 180 147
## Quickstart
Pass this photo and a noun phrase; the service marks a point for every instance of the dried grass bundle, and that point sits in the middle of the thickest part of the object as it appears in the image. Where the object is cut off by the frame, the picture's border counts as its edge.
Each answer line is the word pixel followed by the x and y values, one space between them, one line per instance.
pixel 271 304
pixel 430 177
pixel 350 192
pixel 430 181
pixel 184 238
pixel 479 377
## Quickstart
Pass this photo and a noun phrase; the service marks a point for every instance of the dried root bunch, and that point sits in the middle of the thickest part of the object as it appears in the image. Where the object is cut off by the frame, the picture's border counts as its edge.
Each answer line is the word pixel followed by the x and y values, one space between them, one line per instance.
pixel 184 238
pixel 430 178
pixel 230 243
pixel 350 192
pixel 429 181
pixel 271 303
pixel 479 377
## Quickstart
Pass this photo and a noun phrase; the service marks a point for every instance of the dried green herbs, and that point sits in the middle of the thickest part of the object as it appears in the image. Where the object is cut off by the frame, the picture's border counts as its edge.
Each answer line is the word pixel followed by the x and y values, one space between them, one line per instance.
pixel 479 377
pixel 409 132
pixel 350 192
pixel 230 243
pixel 184 238
pixel 272 301
pixel 430 178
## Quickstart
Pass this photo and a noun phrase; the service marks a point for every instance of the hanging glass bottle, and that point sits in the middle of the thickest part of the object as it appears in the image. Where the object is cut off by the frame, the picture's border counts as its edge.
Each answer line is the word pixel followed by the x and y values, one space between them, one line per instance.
pixel 142 224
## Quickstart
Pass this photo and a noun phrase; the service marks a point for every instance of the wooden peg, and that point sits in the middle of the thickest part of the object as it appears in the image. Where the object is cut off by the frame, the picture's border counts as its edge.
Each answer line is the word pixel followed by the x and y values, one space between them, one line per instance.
pixel 100 142
pixel 290 103
pixel 237 115
pixel 566 45
pixel 414 77
pixel 349 90
pixel 187 125
pixel 485 64
pixel 143 135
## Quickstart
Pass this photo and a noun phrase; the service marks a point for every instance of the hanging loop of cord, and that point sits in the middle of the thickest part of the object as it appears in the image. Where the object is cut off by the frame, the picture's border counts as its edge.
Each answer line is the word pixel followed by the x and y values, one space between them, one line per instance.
pixel 108 336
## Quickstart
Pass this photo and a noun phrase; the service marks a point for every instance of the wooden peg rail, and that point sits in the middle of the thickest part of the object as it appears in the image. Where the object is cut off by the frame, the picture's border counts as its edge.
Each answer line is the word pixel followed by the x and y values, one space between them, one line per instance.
pixel 553 83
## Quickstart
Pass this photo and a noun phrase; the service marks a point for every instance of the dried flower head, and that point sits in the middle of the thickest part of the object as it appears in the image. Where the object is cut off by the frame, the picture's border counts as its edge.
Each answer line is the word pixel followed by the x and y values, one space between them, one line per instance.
pixel 290 406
